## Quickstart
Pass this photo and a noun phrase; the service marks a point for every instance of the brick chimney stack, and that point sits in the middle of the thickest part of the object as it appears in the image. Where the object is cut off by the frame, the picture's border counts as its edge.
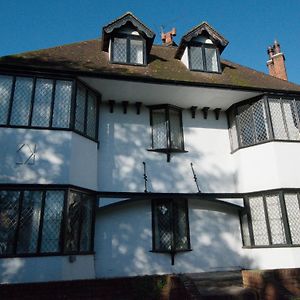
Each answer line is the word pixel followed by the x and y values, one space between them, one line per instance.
pixel 167 38
pixel 276 62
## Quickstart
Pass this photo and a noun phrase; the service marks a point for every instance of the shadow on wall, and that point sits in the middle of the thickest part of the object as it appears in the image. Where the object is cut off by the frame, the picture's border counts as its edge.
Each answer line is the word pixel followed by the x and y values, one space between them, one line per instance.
pixel 34 156
pixel 123 242
pixel 125 138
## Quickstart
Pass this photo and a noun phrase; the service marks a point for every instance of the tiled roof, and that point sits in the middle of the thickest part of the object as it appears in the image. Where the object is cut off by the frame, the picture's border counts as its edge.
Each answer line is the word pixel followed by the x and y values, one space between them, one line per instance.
pixel 87 58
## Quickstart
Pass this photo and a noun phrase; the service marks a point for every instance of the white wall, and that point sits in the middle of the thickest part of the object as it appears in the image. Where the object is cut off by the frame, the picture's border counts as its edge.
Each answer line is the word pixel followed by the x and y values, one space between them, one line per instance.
pixel 52 268
pixel 125 138
pixel 61 157
pixel 123 241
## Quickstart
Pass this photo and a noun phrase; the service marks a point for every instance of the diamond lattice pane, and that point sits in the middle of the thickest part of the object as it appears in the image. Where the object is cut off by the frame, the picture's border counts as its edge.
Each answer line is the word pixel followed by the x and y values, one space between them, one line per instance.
pixel 42 103
pixel 80 108
pixel 246 126
pixel 120 50
pixel 245 230
pixel 52 222
pixel 293 213
pixel 258 219
pixel 211 59
pixel 196 58
pixel 277 119
pixel 22 101
pixel 275 220
pixel 9 205
pixel 91 116
pixel 86 221
pixel 175 129
pixel 62 104
pixel 136 51
pixel 159 129
pixel 260 121
pixel 291 119
pixel 5 94
pixel 180 225
pixel 29 222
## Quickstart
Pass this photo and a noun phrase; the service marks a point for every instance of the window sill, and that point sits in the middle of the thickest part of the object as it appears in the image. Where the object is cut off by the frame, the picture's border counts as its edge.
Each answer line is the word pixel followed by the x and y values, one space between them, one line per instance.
pixel 168 151
pixel 128 64
pixel 271 246
pixel 171 251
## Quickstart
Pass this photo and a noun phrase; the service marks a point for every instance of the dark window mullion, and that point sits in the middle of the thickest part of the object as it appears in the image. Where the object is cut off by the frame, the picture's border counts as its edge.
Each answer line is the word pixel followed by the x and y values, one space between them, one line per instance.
pixel 151 124
pixel 172 225
pixel 52 103
pixel 186 207
pixel 296 113
pixel 181 130
pixel 73 105
pixel 32 101
pixel 21 196
pixel 168 127
pixel 80 223
pixel 238 130
pixel 41 223
pixel 85 111
pixel 64 222
pixel 128 50
pixel 267 220
pixel 284 119
pixel 269 119
pixel 254 135
pixel 11 100
pixel 204 58
pixel 285 218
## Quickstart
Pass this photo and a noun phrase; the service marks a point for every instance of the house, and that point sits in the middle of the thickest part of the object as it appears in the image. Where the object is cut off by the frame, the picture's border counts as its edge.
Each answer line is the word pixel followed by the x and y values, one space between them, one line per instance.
pixel 120 158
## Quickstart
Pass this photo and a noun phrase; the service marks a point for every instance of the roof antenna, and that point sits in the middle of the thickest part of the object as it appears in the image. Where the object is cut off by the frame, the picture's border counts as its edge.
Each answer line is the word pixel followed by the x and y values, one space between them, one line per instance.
pixel 195 178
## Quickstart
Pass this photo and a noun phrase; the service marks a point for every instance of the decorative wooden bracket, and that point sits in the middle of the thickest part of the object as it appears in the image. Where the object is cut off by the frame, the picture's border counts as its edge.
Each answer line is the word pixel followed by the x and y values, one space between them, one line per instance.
pixel 111 104
pixel 193 111
pixel 138 107
pixel 217 113
pixel 205 112
pixel 125 105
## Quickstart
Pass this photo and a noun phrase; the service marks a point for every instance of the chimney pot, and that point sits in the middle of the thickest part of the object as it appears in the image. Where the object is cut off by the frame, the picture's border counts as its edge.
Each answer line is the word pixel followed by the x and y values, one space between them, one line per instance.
pixel 167 38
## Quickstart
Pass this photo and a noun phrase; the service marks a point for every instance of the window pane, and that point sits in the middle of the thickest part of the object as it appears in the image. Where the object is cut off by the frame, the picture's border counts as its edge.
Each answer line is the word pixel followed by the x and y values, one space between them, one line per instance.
pixel 291 118
pixel 180 225
pixel 258 221
pixel 175 129
pixel 233 131
pixel 136 51
pixel 293 213
pixel 42 103
pixel 73 222
pixel 54 203
pixel 119 50
pixel 260 121
pixel 9 205
pixel 80 109
pixel 22 101
pixel 245 230
pixel 196 58
pixel 159 129
pixel 163 229
pixel 86 227
pixel 246 125
pixel 29 222
pixel 5 94
pixel 277 119
pixel 62 104
pixel 275 220
pixel 91 116
pixel 211 60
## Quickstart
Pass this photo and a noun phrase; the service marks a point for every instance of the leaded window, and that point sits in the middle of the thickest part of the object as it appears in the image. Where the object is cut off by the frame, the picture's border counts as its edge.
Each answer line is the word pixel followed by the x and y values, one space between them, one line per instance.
pixel 170 225
pixel 271 219
pixel 167 132
pixel 47 103
pixel 45 221
pixel 266 119
pixel 204 57
pixel 128 49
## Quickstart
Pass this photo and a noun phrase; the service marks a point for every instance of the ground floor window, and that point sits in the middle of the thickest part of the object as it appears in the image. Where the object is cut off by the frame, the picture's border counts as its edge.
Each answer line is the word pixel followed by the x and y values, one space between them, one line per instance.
pixel 39 221
pixel 271 219
pixel 170 225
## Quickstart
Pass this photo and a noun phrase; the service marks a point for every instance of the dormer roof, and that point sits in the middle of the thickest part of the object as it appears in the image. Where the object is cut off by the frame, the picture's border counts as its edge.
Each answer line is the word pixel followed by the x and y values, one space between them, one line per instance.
pixel 203 29
pixel 128 19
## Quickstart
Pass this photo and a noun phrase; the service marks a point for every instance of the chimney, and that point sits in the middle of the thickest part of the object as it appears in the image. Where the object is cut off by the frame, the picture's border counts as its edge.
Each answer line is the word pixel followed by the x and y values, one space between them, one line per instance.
pixel 276 62
pixel 167 38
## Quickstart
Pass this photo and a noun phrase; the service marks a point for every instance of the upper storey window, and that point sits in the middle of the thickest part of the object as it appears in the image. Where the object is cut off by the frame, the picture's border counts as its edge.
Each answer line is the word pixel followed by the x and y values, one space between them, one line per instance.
pixel 200 49
pixel 128 50
pixel 127 40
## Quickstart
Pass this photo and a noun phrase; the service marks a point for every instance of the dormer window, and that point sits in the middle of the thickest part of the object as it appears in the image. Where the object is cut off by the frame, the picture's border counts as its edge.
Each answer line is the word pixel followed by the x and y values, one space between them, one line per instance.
pixel 128 49
pixel 204 57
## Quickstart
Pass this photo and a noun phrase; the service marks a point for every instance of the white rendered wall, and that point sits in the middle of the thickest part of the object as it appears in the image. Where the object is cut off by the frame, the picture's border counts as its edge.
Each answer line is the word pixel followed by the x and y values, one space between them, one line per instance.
pixel 125 138
pixel 123 241
pixel 39 269
pixel 61 157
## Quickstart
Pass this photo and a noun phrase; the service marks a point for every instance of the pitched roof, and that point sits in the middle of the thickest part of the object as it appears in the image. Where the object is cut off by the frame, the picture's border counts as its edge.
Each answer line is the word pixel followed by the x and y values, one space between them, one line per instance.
pixel 86 58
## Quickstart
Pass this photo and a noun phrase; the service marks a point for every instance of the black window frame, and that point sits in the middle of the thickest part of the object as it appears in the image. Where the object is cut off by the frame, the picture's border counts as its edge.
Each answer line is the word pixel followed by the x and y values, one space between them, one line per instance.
pixel 173 250
pixel 72 110
pixel 168 150
pixel 64 218
pixel 285 219
pixel 204 46
pixel 128 38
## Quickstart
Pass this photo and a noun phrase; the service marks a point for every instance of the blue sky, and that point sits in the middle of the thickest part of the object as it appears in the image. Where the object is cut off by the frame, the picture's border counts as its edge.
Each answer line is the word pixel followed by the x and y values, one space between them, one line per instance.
pixel 250 26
